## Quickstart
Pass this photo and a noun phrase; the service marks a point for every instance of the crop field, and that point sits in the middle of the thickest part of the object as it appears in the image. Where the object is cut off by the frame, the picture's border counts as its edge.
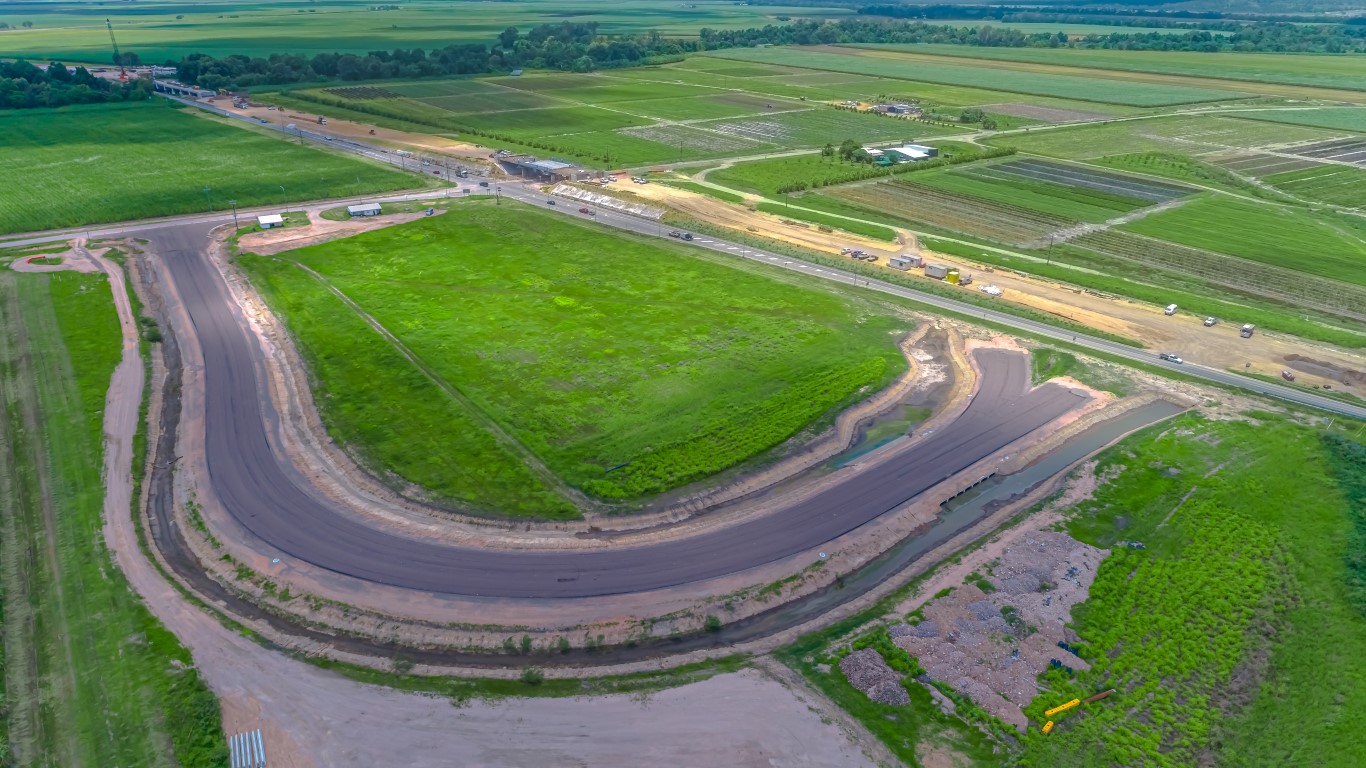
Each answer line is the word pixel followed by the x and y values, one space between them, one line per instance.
pixel 90 676
pixel 1292 69
pixel 1268 279
pixel 1261 165
pixel 1349 150
pixel 1309 243
pixel 1042 196
pixel 890 64
pixel 767 176
pixel 964 213
pixel 627 366
pixel 1245 591
pixel 1122 188
pixel 1182 135
pixel 1336 118
pixel 87 165
pixel 815 128
pixel 605 119
pixel 1336 184
pixel 162 29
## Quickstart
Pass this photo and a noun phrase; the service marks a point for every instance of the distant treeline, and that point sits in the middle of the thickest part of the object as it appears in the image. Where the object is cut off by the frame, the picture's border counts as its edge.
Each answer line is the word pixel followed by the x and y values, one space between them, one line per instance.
pixel 567 46
pixel 576 47
pixel 1108 15
pixel 24 85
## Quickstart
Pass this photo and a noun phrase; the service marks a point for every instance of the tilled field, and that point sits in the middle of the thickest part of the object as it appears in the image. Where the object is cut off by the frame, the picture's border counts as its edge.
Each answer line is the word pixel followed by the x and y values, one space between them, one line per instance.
pixel 1089 178
pixel 961 213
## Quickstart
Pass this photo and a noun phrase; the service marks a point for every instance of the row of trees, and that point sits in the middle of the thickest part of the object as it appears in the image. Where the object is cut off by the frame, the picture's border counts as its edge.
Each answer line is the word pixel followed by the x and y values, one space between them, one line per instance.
pixel 1272 37
pixel 23 85
pixel 566 46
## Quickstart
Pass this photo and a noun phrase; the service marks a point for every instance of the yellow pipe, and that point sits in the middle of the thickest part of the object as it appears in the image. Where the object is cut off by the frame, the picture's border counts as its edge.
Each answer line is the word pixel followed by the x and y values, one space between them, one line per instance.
pixel 1062 708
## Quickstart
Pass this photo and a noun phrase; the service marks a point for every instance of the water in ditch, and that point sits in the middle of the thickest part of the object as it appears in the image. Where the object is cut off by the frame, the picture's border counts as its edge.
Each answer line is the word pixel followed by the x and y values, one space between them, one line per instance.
pixel 958 514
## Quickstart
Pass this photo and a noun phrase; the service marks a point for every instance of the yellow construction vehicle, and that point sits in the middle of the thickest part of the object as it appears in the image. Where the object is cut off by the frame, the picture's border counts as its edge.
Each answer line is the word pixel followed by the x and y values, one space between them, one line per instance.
pixel 1062 708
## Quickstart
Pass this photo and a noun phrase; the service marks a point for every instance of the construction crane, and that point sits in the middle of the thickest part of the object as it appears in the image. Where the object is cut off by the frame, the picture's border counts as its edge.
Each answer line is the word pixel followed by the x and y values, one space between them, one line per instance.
pixel 118 57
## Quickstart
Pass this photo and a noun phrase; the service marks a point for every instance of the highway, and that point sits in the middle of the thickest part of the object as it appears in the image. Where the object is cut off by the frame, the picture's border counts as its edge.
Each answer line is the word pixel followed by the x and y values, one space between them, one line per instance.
pixel 276 506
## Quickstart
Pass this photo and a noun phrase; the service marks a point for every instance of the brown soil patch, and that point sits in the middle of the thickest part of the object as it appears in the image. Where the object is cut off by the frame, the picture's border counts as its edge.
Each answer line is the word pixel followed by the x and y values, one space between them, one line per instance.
pixel 372 134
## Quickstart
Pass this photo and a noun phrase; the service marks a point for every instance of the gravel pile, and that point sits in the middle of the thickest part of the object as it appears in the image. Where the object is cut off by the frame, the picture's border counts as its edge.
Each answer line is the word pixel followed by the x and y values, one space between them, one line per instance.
pixel 966 641
pixel 891 692
pixel 865 670
pixel 903 630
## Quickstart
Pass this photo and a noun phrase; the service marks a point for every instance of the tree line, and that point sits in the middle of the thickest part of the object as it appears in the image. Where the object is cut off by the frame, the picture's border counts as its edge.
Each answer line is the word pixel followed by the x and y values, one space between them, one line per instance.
pixel 577 47
pixel 24 85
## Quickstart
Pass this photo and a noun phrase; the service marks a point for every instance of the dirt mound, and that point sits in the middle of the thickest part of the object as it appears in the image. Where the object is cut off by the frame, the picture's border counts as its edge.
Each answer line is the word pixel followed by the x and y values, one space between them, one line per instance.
pixel 1325 369
pixel 867 671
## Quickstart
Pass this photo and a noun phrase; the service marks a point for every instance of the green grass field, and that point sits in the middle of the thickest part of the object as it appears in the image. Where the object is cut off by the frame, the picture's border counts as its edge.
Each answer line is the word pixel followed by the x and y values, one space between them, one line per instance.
pixel 117 163
pixel 627 366
pixel 1288 68
pixel 1337 118
pixel 766 177
pixel 1180 135
pixel 90 677
pixel 1240 603
pixel 889 64
pixel 1315 243
pixel 161 29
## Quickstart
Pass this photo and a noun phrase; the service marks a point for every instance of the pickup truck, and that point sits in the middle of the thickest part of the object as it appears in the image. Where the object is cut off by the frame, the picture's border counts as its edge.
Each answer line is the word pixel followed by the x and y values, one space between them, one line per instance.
pixel 675 233
pixel 1171 358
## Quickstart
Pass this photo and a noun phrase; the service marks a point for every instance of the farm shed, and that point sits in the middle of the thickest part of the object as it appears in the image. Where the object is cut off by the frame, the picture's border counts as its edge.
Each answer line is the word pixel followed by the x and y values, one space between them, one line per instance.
pixel 363 209
pixel 527 165
pixel 270 220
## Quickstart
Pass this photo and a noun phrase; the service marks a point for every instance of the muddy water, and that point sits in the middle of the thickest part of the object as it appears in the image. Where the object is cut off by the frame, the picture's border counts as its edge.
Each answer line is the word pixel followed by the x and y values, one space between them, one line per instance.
pixel 959 514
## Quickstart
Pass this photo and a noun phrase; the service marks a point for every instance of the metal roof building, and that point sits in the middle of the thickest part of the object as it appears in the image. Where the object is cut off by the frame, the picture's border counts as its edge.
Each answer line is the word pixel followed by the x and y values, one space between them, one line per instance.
pixel 363 209
pixel 270 220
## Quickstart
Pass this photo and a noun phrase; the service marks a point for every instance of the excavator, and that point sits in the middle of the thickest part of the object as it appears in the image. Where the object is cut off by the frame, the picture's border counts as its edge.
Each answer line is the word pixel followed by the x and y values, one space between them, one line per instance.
pixel 1048 726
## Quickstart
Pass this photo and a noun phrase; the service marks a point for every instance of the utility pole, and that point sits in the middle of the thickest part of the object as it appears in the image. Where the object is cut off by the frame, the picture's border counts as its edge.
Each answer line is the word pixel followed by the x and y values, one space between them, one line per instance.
pixel 498 194
pixel 234 213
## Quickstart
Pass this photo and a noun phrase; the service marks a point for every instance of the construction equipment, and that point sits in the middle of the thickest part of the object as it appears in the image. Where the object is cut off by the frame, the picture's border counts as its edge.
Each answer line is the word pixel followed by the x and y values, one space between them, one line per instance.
pixel 1062 708
pixel 118 57
pixel 1048 726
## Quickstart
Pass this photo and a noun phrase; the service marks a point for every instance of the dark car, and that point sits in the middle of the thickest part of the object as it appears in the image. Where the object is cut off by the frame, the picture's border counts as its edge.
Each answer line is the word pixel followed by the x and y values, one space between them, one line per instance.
pixel 588 211
pixel 550 202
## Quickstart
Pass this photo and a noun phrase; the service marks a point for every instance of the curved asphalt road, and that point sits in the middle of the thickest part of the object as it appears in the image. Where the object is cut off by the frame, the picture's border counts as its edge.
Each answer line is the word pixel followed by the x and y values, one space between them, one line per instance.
pixel 270 501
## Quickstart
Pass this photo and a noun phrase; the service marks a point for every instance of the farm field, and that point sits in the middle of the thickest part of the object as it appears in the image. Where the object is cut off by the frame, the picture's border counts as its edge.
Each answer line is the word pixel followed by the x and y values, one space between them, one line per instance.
pixel 83 165
pixel 1244 590
pixel 1335 118
pixel 889 64
pixel 604 120
pixel 1070 191
pixel 161 29
pixel 1347 72
pixel 1336 184
pixel 624 382
pixel 1193 135
pixel 1312 243
pixel 90 676
pixel 768 176
pixel 958 212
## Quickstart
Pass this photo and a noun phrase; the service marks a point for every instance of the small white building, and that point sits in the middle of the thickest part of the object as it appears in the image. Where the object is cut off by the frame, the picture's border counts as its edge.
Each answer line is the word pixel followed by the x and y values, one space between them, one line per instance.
pixel 904 263
pixel 270 220
pixel 363 209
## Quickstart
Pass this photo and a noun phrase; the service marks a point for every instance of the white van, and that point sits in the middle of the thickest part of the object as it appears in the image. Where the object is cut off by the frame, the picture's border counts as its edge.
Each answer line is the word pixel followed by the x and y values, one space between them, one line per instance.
pixel 1170 310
